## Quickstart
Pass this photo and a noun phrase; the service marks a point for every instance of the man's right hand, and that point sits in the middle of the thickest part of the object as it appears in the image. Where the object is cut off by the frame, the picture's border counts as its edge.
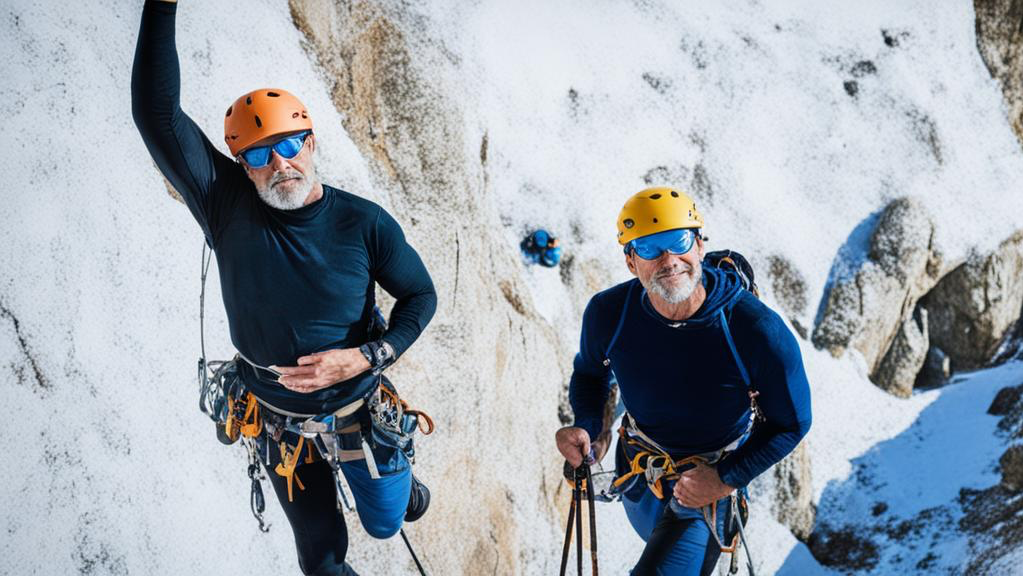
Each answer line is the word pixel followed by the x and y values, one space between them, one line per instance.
pixel 574 444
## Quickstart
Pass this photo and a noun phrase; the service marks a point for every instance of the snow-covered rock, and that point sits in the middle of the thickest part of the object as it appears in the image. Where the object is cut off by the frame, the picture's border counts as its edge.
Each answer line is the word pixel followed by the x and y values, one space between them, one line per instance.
pixel 793 493
pixel 905 357
pixel 974 307
pixel 869 306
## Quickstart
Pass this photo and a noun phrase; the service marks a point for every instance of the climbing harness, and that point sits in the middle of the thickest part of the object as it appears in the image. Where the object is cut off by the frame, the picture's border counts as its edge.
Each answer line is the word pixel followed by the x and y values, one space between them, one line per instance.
pixel 581 481
pixel 380 420
pixel 645 459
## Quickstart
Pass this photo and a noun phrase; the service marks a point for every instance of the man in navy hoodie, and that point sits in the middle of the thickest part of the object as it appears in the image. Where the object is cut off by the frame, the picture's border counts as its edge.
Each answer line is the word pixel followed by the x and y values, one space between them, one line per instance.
pixel 710 377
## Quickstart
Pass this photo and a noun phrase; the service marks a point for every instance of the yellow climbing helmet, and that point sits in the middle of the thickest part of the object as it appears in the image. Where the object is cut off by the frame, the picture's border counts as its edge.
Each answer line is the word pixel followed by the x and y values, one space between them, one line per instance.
pixel 655 210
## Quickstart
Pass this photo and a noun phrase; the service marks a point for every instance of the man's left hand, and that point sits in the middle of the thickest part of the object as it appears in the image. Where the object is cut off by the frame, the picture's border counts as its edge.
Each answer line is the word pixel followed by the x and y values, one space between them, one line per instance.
pixel 322 369
pixel 698 487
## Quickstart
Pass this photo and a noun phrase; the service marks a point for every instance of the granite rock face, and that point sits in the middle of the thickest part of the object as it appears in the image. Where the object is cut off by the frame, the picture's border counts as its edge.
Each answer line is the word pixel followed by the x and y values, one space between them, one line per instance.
pixel 388 82
pixel 1000 42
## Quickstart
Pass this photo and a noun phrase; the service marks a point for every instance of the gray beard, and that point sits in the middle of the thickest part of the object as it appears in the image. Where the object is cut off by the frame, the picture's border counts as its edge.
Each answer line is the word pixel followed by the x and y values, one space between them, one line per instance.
pixel 278 197
pixel 682 291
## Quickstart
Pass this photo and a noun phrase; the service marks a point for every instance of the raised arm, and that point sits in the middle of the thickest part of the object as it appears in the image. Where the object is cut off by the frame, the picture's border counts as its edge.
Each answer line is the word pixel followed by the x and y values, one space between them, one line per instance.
pixel 206 179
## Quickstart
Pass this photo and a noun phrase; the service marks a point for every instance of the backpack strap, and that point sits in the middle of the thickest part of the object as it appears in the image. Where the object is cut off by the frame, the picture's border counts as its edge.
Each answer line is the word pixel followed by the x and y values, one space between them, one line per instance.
pixel 621 323
pixel 735 353
pixel 753 393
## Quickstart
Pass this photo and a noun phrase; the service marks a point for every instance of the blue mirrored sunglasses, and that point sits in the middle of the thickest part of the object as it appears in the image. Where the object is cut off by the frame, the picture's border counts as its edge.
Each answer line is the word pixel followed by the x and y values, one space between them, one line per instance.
pixel 287 147
pixel 651 247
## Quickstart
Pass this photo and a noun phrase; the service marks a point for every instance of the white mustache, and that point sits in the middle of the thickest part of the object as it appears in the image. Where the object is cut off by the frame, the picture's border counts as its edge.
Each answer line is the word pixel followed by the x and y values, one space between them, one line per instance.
pixel 663 272
pixel 279 177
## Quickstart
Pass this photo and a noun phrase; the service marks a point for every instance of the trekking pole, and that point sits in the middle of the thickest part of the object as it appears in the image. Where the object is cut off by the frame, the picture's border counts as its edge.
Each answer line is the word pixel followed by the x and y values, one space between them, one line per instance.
pixel 581 477
pixel 593 520
pixel 577 493
pixel 415 558
pixel 568 536
pixel 742 535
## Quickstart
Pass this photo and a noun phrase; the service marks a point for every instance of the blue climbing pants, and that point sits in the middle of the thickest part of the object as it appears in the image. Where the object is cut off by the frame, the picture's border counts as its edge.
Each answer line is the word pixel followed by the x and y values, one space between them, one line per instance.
pixel 678 544
pixel 321 534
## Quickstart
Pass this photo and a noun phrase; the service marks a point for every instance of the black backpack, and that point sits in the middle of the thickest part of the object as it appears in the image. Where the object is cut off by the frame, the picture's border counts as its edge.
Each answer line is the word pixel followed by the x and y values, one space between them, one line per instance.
pixel 732 260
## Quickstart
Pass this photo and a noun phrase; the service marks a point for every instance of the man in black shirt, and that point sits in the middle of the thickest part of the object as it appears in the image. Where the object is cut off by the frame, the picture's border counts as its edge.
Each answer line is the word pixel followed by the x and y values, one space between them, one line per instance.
pixel 298 263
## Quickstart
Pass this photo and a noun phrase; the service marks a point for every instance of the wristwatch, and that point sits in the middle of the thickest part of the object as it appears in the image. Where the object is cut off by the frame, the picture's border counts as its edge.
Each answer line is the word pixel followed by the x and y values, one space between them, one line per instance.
pixel 379 354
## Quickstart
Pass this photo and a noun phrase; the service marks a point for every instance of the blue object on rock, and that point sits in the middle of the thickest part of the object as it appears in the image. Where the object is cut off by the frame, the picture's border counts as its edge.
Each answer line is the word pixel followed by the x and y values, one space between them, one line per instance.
pixel 541 247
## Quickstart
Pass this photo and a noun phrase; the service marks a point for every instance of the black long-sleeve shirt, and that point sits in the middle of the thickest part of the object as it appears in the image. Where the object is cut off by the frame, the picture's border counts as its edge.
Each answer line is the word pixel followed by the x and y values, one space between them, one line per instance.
pixel 293 281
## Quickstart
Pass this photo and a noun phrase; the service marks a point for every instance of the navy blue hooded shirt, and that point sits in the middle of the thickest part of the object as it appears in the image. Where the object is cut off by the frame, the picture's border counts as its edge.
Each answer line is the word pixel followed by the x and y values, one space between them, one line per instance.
pixel 680 381
pixel 293 281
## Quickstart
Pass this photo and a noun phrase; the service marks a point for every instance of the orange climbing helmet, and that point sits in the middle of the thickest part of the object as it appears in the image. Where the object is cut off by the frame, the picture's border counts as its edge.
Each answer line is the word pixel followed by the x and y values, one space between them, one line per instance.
pixel 263 113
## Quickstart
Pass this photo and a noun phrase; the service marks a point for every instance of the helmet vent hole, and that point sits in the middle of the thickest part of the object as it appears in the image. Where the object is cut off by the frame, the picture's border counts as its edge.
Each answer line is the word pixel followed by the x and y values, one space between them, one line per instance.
pixel 259 123
pixel 674 194
pixel 655 196
pixel 655 220
pixel 248 100
pixel 273 94
pixel 229 110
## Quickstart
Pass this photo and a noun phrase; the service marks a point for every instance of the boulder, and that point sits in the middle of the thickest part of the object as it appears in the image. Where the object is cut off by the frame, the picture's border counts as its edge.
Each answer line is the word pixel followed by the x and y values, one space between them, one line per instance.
pixel 1011 464
pixel 898 371
pixel 793 496
pixel 846 548
pixel 976 305
pixel 1005 401
pixel 937 369
pixel 868 306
